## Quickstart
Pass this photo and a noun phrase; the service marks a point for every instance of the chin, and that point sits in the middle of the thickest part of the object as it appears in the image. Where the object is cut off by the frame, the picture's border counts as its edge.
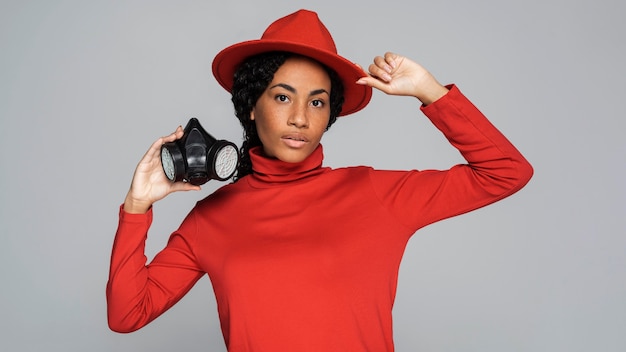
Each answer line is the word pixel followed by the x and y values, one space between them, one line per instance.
pixel 293 158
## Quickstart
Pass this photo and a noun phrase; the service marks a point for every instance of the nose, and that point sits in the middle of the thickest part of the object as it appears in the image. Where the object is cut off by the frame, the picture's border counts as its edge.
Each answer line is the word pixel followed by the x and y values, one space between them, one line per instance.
pixel 298 117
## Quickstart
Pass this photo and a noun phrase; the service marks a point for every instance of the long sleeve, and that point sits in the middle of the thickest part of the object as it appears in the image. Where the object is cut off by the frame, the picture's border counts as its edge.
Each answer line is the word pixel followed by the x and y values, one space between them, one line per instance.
pixel 138 293
pixel 495 169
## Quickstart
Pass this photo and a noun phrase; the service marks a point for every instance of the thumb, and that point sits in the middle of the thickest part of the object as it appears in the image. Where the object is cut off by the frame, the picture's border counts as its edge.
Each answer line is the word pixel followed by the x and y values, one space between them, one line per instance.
pixel 184 187
pixel 374 83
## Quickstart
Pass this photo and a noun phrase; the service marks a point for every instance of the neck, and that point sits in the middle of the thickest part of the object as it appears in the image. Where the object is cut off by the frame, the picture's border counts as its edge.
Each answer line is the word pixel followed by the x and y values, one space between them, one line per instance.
pixel 271 171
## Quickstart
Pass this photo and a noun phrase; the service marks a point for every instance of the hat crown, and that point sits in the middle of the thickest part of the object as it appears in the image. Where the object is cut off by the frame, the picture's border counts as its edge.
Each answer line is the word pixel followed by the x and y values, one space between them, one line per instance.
pixel 303 27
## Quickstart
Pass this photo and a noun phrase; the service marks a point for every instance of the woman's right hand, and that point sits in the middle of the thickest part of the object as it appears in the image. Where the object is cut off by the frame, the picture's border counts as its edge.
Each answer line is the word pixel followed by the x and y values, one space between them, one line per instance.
pixel 149 182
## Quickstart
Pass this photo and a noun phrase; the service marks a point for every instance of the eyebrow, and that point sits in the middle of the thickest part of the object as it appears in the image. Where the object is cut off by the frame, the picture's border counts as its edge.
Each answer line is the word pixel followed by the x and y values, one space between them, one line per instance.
pixel 293 90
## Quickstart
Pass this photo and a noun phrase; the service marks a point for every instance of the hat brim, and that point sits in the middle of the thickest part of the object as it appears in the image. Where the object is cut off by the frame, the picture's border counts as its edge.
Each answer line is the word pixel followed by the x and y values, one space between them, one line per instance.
pixel 356 96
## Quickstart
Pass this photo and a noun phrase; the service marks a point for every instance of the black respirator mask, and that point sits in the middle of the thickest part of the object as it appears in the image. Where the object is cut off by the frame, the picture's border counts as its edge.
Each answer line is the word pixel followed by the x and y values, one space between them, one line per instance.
pixel 197 157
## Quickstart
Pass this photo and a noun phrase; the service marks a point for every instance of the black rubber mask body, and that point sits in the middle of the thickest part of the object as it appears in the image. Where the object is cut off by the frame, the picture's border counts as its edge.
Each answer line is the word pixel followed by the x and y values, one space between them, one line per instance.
pixel 198 157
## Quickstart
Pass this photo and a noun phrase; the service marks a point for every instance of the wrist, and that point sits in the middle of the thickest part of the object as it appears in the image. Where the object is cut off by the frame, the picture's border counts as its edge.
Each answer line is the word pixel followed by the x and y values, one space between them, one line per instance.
pixel 133 206
pixel 433 93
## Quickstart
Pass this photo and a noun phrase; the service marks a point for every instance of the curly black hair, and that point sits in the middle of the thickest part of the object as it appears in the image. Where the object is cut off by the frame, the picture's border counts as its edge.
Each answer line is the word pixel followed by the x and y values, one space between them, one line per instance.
pixel 250 81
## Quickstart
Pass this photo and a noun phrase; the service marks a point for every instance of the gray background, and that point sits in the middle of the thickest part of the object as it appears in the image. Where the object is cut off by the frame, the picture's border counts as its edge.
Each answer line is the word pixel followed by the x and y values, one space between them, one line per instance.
pixel 86 86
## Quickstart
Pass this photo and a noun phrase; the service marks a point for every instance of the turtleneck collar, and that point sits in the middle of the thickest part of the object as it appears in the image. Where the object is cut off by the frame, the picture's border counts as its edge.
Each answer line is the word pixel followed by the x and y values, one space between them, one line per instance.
pixel 270 171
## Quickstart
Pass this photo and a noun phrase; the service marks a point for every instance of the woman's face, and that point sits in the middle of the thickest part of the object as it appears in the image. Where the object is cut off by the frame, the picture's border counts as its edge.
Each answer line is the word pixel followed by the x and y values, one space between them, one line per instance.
pixel 293 112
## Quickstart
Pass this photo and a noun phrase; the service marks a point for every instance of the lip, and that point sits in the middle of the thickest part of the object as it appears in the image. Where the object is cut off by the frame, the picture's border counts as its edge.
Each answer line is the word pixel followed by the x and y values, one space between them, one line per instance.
pixel 295 140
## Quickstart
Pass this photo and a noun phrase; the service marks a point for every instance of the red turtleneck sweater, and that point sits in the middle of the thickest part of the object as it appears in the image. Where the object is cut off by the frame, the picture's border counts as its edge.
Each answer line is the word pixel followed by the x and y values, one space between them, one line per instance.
pixel 303 257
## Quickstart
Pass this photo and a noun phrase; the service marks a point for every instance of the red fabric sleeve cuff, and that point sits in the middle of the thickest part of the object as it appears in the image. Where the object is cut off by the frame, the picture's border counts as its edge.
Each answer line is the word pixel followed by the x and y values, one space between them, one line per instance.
pixel 135 218
pixel 453 94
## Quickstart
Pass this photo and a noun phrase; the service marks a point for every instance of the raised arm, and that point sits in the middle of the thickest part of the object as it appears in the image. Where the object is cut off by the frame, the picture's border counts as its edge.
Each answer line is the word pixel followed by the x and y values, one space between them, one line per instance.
pixel 495 169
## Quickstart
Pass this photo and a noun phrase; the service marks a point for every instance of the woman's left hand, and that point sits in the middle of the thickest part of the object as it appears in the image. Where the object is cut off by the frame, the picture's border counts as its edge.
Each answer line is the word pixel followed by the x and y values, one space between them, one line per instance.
pixel 394 74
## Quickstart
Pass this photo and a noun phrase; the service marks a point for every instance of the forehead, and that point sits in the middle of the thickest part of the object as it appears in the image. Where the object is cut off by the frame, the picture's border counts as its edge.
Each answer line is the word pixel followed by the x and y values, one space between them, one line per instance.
pixel 300 68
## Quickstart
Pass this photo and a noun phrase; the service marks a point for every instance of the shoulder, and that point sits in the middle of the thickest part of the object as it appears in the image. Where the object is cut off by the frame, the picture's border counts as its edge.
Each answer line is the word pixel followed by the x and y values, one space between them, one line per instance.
pixel 221 196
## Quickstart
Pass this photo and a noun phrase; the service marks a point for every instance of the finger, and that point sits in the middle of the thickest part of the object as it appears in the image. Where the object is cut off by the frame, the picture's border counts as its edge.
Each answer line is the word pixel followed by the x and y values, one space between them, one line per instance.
pixel 376 71
pixel 155 148
pixel 391 60
pixel 384 63
pixel 178 133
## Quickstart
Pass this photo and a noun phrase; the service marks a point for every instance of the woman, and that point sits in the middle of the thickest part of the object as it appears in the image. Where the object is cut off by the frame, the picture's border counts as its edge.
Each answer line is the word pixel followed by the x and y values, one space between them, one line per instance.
pixel 303 257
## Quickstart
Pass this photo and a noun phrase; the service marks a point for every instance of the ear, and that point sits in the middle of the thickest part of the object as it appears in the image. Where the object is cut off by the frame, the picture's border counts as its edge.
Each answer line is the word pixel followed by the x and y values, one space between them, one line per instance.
pixel 252 115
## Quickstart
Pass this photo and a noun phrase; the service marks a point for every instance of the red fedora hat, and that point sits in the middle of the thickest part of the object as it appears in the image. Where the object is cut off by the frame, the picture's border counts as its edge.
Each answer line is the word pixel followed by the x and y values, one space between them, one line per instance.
pixel 301 33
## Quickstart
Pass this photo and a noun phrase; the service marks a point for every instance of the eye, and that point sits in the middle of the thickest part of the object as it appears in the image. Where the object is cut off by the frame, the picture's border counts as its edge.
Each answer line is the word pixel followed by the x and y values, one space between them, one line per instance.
pixel 282 98
pixel 318 103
